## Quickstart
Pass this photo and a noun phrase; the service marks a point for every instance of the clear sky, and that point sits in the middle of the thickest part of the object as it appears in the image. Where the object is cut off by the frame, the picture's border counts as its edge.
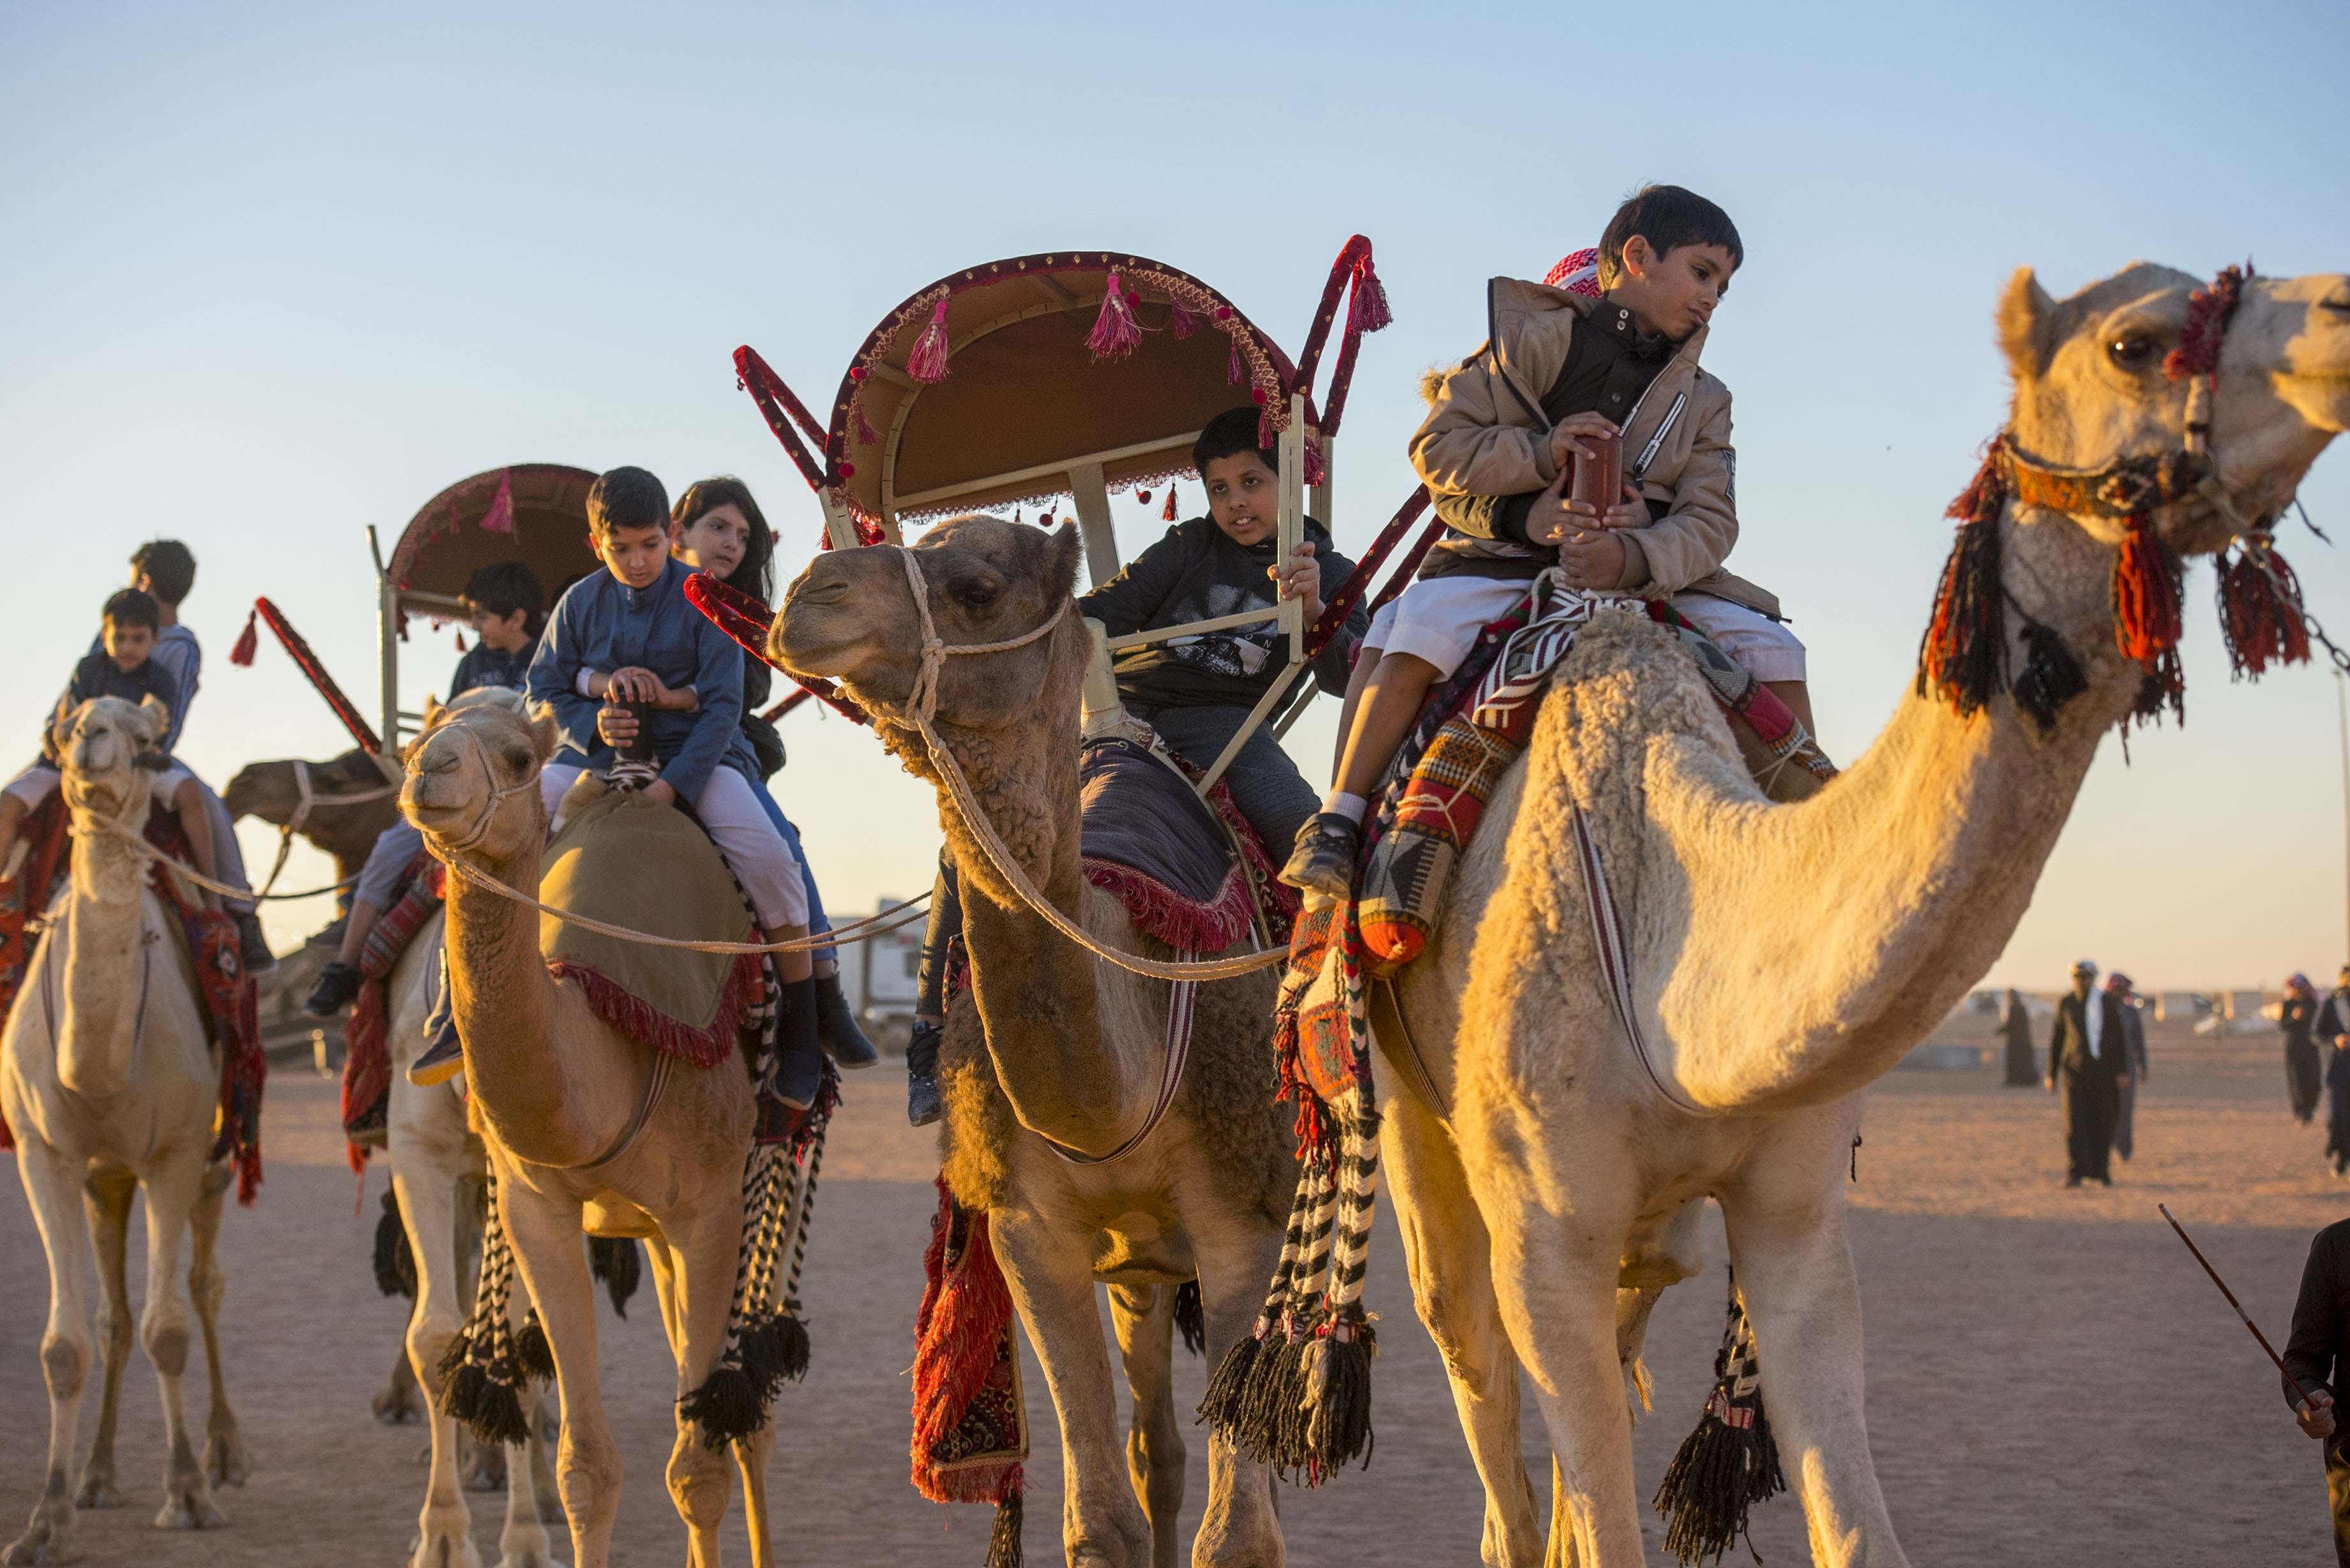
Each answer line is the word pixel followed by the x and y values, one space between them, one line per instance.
pixel 270 273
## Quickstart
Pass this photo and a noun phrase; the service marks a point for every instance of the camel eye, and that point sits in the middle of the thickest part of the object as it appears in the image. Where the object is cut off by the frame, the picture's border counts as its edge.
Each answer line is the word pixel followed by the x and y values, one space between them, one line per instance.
pixel 973 593
pixel 2130 351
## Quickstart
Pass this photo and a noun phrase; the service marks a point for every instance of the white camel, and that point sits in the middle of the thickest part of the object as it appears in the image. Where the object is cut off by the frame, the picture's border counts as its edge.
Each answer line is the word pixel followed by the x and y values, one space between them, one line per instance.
pixel 109 1085
pixel 1782 957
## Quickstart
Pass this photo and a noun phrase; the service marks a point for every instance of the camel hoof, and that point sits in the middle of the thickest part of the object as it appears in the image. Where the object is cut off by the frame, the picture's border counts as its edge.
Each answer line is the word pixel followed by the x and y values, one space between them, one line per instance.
pixel 97 1492
pixel 397 1407
pixel 225 1461
pixel 534 1557
pixel 485 1470
pixel 445 1551
pixel 41 1544
pixel 190 1510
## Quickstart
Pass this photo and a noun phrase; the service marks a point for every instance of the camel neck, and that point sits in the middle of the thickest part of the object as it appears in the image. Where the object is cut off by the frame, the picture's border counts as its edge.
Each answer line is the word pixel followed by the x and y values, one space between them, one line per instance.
pixel 503 999
pixel 1822 939
pixel 104 938
pixel 1036 991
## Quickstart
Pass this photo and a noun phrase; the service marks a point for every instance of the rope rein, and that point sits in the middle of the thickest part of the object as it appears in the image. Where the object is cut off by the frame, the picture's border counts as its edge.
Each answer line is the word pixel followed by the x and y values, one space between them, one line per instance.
pixel 935 653
pixel 839 936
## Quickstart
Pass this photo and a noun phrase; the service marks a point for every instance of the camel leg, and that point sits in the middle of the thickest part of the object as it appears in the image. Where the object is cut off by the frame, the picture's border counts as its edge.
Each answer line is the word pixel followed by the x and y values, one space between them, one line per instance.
pixel 401 1402
pixel 1144 1317
pixel 53 1182
pixel 544 1231
pixel 428 1210
pixel 1448 1255
pixel 1048 1262
pixel 546 1432
pixel 1242 1525
pixel 1794 1268
pixel 172 1192
pixel 1557 1300
pixel 523 1543
pixel 107 1195
pixel 225 1461
pixel 751 1458
pixel 702 1257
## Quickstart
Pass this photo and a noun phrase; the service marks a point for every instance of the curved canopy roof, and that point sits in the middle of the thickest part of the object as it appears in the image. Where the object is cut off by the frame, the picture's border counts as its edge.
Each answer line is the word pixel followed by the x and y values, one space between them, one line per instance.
pixel 531 511
pixel 986 388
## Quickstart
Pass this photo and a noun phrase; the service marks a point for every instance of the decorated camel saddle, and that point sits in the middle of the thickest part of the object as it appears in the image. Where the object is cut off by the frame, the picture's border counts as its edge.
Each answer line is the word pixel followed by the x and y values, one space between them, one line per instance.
pixel 1192 872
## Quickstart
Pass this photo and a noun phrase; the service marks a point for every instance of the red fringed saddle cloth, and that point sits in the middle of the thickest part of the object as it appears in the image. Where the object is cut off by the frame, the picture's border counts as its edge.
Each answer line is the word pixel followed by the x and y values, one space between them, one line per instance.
pixel 971 1423
pixel 367 1029
pixel 229 997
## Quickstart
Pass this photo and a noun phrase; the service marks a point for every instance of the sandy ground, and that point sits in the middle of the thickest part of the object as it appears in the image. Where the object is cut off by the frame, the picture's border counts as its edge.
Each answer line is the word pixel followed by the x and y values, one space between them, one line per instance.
pixel 2050 1379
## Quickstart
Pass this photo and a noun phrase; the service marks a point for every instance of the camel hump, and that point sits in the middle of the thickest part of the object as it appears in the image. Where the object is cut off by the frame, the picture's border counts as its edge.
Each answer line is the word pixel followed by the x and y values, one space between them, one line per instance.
pixel 630 861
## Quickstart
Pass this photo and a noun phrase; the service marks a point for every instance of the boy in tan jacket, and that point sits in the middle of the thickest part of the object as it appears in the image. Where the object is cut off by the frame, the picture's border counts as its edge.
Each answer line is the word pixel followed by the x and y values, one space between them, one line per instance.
pixel 1561 363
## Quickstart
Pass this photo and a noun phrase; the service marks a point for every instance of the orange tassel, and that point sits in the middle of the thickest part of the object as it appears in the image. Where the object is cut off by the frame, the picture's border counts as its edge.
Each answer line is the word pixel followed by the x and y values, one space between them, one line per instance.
pixel 248 642
pixel 2145 595
pixel 1168 513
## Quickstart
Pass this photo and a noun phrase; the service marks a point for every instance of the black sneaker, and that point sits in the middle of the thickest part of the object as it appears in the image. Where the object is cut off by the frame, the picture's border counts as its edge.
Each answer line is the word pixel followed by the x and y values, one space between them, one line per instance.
pixel 835 1026
pixel 924 1103
pixel 799 1074
pixel 253 946
pixel 1324 860
pixel 339 983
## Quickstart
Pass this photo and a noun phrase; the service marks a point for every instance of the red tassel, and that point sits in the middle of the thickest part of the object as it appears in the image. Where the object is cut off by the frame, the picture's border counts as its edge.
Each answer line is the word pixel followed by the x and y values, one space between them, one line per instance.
pixel 928 363
pixel 1369 305
pixel 248 642
pixel 2145 595
pixel 2260 613
pixel 461 642
pixel 1166 514
pixel 1117 332
pixel 866 434
pixel 499 518
pixel 1179 321
pixel 1318 471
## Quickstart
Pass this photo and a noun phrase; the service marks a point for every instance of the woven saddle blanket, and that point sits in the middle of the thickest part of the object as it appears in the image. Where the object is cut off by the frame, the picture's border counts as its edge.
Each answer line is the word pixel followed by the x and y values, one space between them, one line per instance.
pixel 630 861
pixel 1168 856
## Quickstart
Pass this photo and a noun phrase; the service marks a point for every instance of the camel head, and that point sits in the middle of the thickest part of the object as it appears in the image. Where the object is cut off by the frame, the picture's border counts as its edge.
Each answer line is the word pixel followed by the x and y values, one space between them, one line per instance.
pixel 100 745
pixel 2092 389
pixel 267 790
pixel 473 773
pixel 850 617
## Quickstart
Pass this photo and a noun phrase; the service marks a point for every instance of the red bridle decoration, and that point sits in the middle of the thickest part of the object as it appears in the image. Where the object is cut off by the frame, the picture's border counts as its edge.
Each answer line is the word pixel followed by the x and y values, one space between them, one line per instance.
pixel 746 620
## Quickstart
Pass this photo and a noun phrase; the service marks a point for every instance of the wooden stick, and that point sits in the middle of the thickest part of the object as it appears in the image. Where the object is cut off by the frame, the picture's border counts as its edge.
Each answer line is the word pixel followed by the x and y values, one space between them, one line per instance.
pixel 2233 1302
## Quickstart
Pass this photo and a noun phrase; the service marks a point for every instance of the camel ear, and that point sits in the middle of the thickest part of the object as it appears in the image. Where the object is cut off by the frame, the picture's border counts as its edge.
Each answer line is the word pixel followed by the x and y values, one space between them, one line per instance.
pixel 1067 552
pixel 2027 325
pixel 544 736
pixel 432 707
pixel 154 719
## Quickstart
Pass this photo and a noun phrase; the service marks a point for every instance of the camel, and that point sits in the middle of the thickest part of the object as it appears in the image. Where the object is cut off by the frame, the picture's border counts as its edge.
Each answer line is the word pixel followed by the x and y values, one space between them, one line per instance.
pixel 110 1083
pixel 437 1169
pixel 346 829
pixel 1059 1046
pixel 1780 957
pixel 581 1133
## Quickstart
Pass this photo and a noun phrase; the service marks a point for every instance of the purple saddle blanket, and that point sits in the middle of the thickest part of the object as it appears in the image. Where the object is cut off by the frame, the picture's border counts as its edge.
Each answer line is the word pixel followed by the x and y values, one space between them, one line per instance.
pixel 1151 840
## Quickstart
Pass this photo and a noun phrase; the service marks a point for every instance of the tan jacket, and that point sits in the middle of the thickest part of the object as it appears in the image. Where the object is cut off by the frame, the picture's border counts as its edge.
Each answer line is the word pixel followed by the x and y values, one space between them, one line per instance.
pixel 1486 436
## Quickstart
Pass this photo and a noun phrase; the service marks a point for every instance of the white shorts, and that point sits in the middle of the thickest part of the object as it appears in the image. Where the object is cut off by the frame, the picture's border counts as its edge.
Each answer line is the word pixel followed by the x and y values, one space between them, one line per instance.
pixel 1764 647
pixel 762 861
pixel 1437 619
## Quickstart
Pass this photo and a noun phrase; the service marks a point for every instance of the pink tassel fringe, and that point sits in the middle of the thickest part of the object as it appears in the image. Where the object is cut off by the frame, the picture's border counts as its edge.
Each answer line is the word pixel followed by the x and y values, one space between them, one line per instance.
pixel 928 363
pixel 1117 332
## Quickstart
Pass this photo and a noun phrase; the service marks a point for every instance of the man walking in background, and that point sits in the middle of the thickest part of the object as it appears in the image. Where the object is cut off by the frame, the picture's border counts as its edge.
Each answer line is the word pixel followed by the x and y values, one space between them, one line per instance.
pixel 2122 989
pixel 2087 1058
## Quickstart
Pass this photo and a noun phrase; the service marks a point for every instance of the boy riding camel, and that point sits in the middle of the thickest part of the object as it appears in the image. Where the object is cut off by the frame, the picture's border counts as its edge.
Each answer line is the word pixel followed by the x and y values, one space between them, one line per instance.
pixel 1560 366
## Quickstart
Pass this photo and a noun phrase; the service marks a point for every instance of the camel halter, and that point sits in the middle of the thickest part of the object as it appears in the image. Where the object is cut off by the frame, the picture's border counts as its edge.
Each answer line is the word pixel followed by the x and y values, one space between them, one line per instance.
pixel 481 827
pixel 305 798
pixel 919 708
